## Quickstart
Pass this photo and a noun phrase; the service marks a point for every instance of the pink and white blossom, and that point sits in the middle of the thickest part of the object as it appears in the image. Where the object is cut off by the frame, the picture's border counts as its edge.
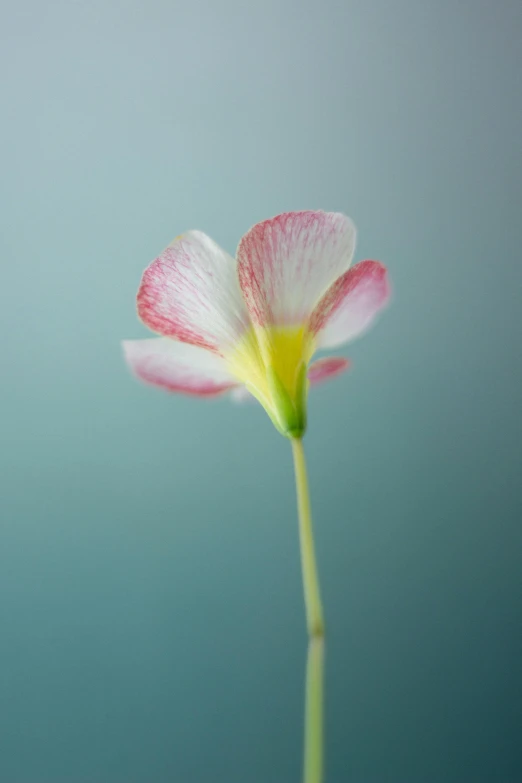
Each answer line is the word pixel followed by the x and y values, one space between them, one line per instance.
pixel 252 324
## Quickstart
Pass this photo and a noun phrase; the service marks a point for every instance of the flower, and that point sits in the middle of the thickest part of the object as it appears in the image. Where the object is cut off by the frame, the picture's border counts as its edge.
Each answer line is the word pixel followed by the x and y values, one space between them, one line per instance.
pixel 250 326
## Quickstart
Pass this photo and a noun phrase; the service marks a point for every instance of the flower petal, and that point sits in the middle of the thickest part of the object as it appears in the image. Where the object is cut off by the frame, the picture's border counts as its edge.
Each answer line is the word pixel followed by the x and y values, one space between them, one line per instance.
pixel 240 394
pixel 178 367
pixel 350 305
pixel 286 264
pixel 191 292
pixel 324 369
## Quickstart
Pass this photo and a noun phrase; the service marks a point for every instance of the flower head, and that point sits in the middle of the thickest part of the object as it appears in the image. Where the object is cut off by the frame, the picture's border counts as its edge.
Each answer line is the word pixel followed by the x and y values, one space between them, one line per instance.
pixel 252 325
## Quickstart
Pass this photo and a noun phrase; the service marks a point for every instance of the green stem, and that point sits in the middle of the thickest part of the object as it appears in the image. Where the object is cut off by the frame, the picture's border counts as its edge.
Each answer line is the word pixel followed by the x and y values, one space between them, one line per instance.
pixel 313 740
pixel 313 737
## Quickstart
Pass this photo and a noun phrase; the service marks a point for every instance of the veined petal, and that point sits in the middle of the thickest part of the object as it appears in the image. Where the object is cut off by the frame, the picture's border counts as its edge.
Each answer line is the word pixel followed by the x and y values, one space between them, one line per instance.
pixel 350 305
pixel 191 292
pixel 178 367
pixel 324 369
pixel 286 264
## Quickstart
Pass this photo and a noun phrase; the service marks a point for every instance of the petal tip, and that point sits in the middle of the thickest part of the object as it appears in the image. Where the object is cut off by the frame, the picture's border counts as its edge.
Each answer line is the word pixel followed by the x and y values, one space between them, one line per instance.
pixel 326 368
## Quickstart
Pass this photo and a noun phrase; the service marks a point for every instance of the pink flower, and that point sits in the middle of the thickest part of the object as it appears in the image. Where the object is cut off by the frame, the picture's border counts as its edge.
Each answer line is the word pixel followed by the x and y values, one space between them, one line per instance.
pixel 252 325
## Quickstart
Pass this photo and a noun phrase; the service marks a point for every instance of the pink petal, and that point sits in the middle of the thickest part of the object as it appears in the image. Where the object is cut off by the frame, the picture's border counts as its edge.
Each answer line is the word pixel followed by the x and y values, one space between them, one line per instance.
pixel 191 292
pixel 178 367
pixel 324 369
pixel 286 264
pixel 350 305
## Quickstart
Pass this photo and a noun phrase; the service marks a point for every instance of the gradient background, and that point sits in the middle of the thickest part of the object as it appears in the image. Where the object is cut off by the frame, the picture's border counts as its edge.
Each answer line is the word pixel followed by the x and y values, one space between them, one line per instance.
pixel 151 615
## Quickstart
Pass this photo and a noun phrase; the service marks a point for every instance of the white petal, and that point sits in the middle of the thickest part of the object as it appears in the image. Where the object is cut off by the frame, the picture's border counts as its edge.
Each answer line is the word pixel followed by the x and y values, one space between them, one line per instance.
pixel 351 305
pixel 178 367
pixel 191 292
pixel 241 394
pixel 287 263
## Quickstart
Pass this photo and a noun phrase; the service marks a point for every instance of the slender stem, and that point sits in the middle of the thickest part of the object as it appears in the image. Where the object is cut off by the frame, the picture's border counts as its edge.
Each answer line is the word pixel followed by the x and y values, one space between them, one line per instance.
pixel 314 609
pixel 313 735
pixel 313 750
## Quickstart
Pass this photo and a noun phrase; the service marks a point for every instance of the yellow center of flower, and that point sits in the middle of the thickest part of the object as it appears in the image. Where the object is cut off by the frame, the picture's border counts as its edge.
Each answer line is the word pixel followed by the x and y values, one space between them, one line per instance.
pixel 272 363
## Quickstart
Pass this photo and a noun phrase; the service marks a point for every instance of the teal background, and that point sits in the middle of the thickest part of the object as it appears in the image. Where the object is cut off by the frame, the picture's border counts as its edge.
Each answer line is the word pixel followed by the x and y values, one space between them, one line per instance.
pixel 151 615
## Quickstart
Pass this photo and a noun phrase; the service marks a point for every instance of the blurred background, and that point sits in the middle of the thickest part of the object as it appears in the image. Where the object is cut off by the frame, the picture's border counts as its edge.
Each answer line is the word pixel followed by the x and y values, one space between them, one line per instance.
pixel 152 627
